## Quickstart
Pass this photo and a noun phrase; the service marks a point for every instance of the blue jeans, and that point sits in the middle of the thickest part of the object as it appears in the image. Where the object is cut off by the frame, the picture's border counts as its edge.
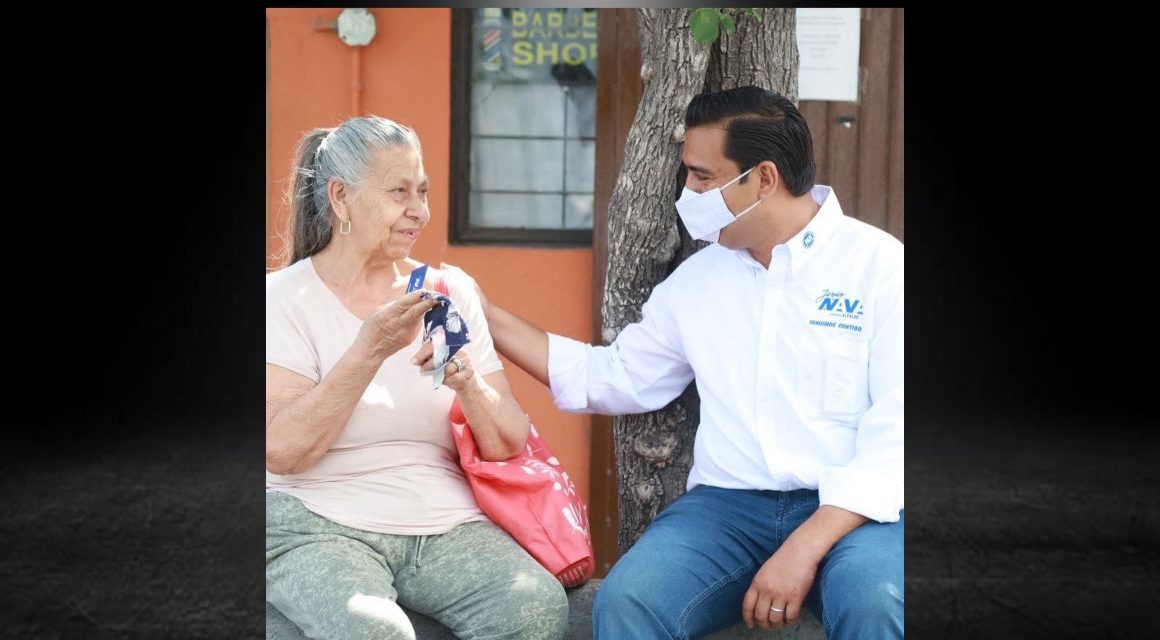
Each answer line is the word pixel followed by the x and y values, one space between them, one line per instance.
pixel 688 573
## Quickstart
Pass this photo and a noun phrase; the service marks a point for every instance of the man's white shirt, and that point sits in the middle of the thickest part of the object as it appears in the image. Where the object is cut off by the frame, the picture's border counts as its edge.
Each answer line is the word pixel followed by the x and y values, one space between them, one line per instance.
pixel 799 367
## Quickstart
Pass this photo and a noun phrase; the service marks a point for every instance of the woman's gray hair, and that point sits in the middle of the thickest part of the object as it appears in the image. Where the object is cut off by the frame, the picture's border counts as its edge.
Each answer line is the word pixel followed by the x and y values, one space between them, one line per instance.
pixel 343 152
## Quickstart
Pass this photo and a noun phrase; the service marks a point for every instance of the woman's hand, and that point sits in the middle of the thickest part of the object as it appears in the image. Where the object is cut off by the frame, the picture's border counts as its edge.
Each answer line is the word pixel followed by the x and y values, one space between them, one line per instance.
pixel 456 375
pixel 394 325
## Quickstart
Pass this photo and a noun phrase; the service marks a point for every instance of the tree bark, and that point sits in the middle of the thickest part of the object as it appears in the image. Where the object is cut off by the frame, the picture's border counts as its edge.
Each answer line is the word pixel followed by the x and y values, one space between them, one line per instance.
pixel 654 451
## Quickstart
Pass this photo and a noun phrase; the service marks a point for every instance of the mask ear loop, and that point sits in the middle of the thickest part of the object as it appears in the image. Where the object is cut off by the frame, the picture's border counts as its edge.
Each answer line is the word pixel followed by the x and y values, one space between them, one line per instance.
pixel 750 207
pixel 739 176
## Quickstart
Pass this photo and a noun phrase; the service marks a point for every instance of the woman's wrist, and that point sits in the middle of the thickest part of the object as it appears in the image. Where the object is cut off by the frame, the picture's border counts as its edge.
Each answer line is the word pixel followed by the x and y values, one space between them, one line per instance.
pixel 370 348
pixel 472 390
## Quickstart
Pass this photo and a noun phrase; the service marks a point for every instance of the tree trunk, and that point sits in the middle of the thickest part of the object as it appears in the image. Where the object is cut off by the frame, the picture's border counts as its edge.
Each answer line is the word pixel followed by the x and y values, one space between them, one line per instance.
pixel 654 451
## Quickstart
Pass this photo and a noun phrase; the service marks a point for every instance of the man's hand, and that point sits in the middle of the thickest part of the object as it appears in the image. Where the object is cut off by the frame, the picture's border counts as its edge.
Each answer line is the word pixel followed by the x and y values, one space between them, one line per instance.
pixel 516 339
pixel 450 268
pixel 782 583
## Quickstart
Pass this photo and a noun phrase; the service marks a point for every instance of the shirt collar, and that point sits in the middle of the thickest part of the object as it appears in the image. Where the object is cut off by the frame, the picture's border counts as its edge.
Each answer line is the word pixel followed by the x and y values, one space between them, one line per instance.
pixel 810 240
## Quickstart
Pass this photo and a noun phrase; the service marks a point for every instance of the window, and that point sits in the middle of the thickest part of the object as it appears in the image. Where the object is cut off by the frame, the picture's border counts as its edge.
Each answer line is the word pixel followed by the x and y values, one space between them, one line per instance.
pixel 523 134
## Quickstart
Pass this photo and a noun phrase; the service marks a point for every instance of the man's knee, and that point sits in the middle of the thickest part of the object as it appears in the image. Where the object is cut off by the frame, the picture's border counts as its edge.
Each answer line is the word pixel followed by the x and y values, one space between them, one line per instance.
pixel 882 600
pixel 874 609
pixel 626 595
pixel 862 587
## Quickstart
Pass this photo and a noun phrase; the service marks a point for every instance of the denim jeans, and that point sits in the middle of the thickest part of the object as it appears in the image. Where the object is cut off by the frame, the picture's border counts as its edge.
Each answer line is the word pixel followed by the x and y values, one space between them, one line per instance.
pixel 688 573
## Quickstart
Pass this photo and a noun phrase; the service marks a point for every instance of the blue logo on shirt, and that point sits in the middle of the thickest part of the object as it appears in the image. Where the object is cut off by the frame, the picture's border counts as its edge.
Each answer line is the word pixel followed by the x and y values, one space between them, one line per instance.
pixel 808 240
pixel 838 306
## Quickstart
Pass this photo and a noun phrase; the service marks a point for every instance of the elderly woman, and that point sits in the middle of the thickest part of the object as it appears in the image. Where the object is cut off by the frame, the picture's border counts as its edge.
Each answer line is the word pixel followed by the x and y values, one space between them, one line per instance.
pixel 366 506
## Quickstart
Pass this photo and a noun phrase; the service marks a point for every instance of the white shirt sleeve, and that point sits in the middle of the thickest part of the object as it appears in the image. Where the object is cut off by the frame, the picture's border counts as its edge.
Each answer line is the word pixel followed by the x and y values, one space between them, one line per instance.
pixel 642 370
pixel 871 483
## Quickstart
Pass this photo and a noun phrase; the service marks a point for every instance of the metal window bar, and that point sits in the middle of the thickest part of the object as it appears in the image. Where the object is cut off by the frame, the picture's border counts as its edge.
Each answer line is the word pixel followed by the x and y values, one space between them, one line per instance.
pixel 462 231
pixel 482 136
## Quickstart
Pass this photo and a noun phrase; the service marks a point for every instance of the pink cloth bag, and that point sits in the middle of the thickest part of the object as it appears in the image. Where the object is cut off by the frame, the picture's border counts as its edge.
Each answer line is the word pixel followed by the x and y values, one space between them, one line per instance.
pixel 532 498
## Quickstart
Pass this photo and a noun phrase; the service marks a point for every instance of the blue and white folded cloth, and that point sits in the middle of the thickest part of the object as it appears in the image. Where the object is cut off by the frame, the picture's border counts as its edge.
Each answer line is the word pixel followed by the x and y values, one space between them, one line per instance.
pixel 445 328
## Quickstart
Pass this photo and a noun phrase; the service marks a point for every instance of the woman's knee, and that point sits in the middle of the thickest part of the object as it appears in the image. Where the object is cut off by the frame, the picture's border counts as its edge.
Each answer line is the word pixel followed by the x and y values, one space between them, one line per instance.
pixel 545 608
pixel 365 618
pixel 533 606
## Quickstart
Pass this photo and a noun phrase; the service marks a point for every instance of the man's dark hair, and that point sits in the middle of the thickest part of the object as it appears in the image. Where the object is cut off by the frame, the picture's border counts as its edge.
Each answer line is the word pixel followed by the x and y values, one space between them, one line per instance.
pixel 759 125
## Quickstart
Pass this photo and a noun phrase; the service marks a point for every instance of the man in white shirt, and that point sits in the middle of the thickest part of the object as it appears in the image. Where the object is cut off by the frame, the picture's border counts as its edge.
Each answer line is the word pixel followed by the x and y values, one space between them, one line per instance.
pixel 791 323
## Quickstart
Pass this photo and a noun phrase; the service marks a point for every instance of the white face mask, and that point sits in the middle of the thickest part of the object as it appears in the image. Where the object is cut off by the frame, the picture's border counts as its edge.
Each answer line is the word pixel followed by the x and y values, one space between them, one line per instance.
pixel 706 214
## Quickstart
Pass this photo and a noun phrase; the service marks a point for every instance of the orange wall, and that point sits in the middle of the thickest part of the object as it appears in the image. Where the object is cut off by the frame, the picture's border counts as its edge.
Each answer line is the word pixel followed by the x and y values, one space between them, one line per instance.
pixel 406 76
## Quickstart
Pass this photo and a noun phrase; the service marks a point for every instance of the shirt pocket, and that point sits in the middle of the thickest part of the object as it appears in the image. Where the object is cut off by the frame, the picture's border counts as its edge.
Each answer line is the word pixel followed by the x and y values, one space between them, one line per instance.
pixel 833 377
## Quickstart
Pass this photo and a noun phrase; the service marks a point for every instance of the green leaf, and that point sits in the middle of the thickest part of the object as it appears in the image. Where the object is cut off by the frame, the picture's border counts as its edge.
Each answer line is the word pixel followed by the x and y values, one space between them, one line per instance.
pixel 703 23
pixel 750 12
pixel 727 22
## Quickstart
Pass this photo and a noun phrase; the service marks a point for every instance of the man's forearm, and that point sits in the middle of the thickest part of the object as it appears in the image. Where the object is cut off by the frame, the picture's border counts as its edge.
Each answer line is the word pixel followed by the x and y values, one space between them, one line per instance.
pixel 821 531
pixel 519 341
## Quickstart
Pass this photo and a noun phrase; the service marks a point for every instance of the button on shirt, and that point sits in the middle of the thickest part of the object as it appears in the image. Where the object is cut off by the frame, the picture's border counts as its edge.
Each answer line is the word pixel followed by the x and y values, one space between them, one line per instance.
pixel 799 367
